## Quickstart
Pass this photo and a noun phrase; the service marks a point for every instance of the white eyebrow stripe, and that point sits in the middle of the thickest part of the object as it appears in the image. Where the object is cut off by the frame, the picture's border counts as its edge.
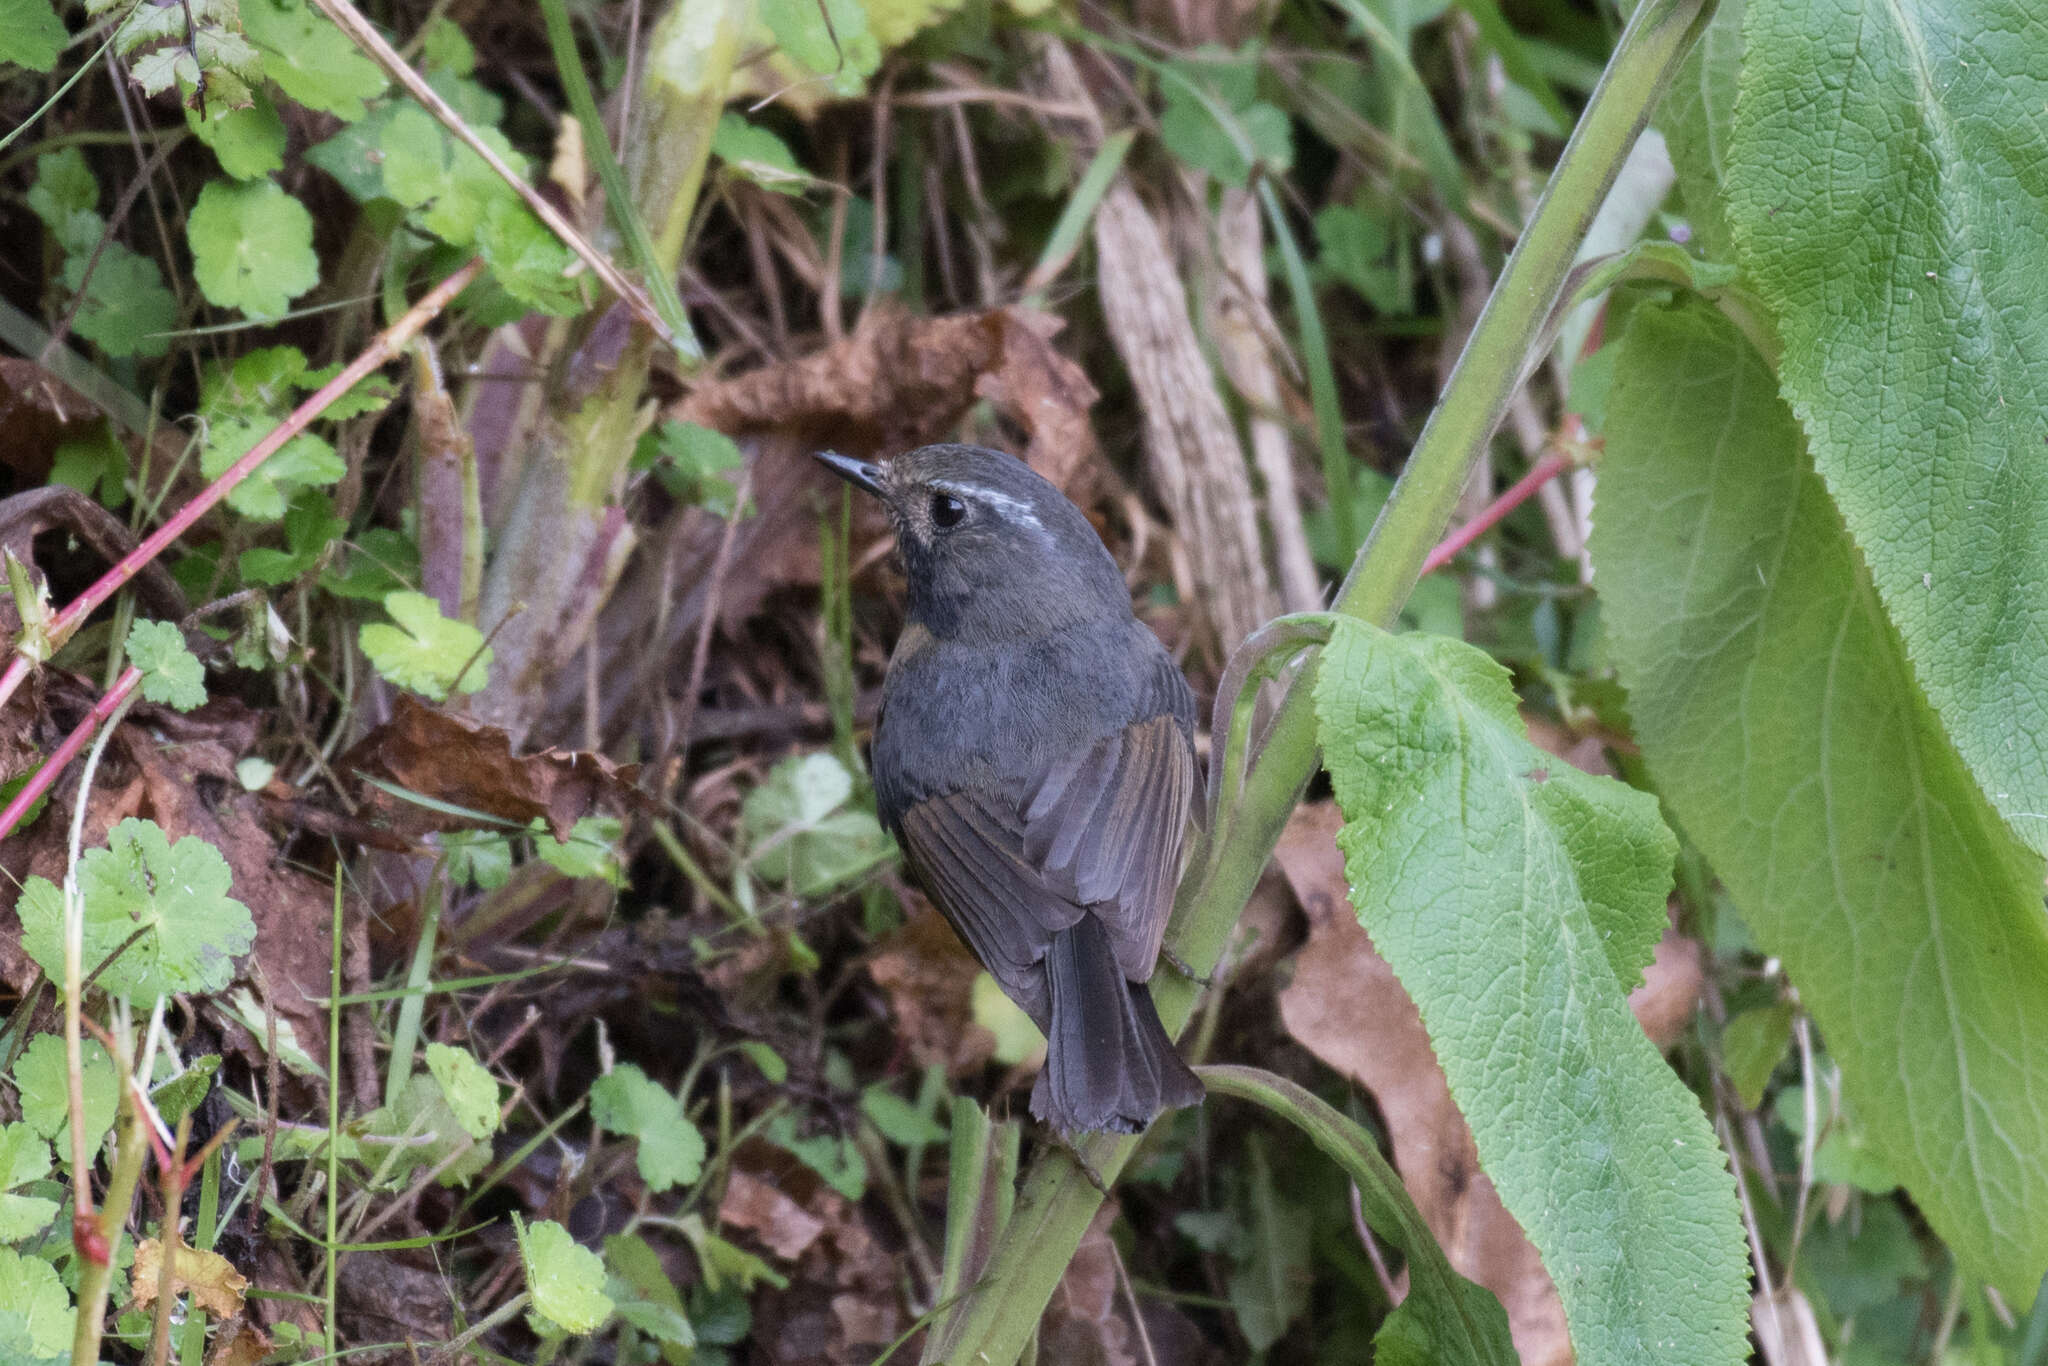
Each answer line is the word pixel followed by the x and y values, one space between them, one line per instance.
pixel 1018 509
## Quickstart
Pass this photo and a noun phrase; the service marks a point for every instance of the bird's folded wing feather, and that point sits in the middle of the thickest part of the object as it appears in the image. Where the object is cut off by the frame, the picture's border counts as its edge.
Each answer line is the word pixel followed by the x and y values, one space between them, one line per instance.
pixel 970 857
pixel 1101 832
pixel 1111 828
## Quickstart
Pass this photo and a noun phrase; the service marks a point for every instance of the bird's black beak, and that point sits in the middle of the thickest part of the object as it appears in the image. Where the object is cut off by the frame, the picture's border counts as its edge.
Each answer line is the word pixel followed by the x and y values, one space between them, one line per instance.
pixel 862 474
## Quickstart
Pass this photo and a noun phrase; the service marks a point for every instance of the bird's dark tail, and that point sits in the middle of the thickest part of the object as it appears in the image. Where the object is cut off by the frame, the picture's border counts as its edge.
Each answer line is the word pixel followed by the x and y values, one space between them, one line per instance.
pixel 1108 1062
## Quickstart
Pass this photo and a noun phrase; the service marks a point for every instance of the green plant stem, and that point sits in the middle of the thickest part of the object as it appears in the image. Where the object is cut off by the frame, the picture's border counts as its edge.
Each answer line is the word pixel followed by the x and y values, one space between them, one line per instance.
pixel 406 1033
pixel 1322 376
pixel 990 1327
pixel 690 57
pixel 131 1146
pixel 192 1342
pixel 659 273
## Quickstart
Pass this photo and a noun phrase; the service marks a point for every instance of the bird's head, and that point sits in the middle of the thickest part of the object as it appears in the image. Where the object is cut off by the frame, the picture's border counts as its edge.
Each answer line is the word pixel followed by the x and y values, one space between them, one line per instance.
pixel 991 549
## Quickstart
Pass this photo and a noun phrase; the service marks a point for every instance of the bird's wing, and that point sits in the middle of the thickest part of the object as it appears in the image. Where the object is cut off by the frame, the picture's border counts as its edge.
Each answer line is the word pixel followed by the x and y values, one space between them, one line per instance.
pixel 1108 827
pixel 1101 833
pixel 969 853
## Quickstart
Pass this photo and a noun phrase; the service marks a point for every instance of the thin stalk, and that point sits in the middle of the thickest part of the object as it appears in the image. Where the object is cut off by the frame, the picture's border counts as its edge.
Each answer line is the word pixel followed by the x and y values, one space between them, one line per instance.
pixel 1518 493
pixel 95 1263
pixel 1322 376
pixel 170 1238
pixel 1076 216
pixel 74 986
pixel 389 346
pixel 412 1006
pixel 333 1103
pixel 991 1328
pixel 192 1342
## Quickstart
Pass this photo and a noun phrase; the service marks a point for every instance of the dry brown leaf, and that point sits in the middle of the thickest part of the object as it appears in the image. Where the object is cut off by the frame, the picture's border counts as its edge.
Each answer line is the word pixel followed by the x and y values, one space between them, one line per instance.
pixel 928 975
pixel 901 380
pixel 845 1293
pixel 470 765
pixel 239 1343
pixel 783 1226
pixel 1586 751
pixel 1087 1321
pixel 1670 992
pixel 214 1283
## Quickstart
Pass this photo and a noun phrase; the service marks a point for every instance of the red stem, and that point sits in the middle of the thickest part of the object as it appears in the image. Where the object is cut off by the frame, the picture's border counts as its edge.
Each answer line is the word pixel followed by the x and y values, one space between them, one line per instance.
pixel 66 752
pixel 1545 470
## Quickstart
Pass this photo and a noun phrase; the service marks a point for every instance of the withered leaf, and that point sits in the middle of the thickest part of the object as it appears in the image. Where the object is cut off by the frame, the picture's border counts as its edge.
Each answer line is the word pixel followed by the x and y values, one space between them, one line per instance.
pixel 786 1227
pixel 214 1283
pixel 467 764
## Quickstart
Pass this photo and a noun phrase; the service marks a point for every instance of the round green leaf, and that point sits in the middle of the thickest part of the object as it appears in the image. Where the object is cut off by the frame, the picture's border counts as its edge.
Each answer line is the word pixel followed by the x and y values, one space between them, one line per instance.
pixel 252 247
pixel 565 1279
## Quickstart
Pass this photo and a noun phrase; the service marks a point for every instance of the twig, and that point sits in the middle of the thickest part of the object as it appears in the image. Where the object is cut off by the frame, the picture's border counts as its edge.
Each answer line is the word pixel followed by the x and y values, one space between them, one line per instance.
pixel 1123 1280
pixel 61 757
pixel 1547 469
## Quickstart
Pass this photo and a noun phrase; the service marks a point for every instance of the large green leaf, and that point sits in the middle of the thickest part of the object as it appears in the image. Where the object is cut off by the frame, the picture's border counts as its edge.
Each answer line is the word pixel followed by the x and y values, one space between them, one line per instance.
pixel 1781 721
pixel 1696 118
pixel 1890 198
pixel 1517 898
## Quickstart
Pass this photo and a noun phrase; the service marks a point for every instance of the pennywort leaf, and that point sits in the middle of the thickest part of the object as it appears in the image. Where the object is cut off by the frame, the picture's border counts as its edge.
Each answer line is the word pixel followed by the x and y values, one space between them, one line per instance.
pixel 24 1157
pixel 425 651
pixel 252 247
pixel 471 1093
pixel 565 1278
pixel 165 907
pixel 41 1076
pixel 626 1101
pixel 171 674
pixel 309 58
pixel 35 1306
pixel 31 34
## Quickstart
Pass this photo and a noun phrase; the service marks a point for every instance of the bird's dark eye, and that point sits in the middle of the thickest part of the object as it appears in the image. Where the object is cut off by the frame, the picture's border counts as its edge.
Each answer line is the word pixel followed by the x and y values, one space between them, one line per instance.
pixel 947 511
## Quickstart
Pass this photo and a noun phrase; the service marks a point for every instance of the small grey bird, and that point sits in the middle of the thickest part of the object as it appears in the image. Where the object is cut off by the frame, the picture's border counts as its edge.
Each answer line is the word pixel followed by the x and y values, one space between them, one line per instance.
pixel 1035 760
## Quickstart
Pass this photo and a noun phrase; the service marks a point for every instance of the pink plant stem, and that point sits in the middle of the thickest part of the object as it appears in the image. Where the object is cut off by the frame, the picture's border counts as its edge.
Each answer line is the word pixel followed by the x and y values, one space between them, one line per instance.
pixel 386 348
pixel 1545 470
pixel 66 752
